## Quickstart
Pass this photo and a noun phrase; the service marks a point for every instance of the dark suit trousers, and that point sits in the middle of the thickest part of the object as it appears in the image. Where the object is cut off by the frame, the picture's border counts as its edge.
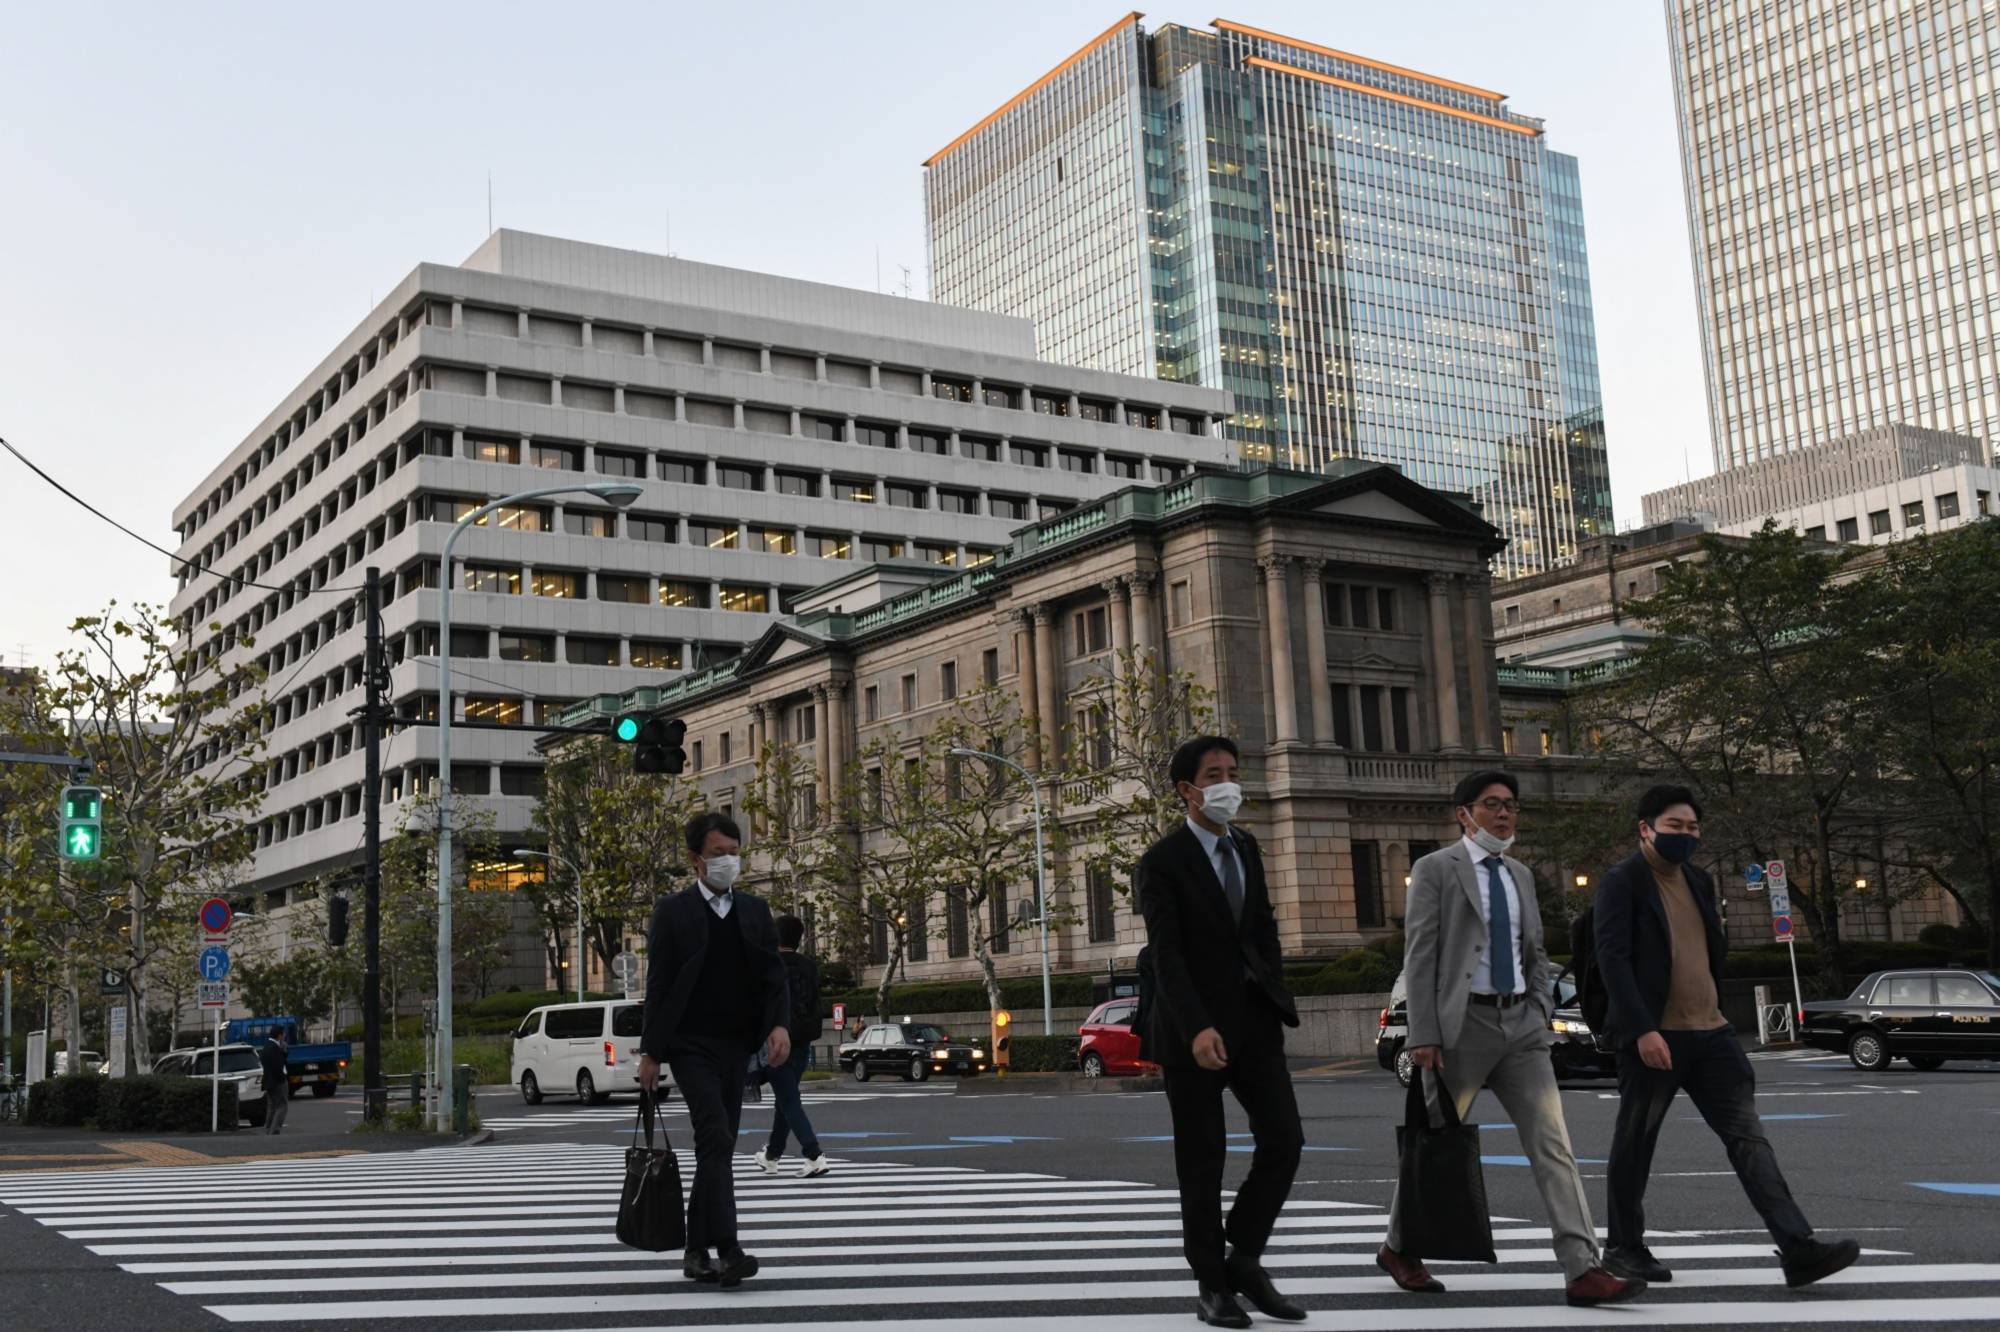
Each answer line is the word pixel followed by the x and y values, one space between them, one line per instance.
pixel 1263 1087
pixel 708 1072
pixel 1712 1068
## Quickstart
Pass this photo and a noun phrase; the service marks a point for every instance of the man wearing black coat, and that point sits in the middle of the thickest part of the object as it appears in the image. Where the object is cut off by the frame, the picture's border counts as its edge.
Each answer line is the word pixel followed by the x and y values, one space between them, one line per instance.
pixel 1659 946
pixel 274 1059
pixel 1215 1019
pixel 715 991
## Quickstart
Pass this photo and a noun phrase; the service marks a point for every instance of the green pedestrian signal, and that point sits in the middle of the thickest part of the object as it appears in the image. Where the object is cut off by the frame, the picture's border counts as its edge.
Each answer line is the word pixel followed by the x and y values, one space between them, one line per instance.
pixel 82 823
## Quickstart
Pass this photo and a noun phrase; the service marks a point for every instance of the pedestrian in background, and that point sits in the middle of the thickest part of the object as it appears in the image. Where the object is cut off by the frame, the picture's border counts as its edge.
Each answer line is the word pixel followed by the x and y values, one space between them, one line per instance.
pixel 1216 1021
pixel 802 978
pixel 274 1058
pixel 1479 999
pixel 715 990
pixel 1659 949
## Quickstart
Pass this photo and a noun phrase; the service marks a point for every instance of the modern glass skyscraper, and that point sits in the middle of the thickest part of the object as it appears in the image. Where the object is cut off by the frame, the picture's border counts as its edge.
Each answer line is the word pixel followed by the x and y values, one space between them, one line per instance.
pixel 1377 263
pixel 1842 167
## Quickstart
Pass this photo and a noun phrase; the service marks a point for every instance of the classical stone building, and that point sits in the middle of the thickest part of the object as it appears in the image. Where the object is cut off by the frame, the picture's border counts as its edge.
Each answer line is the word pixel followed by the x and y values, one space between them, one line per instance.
pixel 1342 622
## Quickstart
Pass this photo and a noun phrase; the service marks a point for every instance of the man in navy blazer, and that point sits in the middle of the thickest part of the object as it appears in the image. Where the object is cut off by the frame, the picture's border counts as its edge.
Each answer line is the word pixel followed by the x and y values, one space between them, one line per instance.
pixel 715 991
pixel 1659 946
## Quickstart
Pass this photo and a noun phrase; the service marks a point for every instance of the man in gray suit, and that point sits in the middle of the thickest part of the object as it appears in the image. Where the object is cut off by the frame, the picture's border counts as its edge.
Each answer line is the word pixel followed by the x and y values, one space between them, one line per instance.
pixel 1479 1006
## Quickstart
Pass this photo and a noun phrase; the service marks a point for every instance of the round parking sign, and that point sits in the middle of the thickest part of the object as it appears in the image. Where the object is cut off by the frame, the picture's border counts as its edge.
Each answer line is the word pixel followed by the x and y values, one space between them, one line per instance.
pixel 216 915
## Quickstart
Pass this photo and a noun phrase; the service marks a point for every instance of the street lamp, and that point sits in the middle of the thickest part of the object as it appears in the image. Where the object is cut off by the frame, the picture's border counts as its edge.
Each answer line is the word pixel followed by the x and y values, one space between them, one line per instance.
pixel 1582 882
pixel 621 495
pixel 523 853
pixel 1861 885
pixel 1041 884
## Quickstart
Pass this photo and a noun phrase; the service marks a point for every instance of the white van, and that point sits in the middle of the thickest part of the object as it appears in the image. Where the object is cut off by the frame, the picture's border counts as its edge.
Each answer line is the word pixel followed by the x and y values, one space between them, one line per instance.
pixel 587 1050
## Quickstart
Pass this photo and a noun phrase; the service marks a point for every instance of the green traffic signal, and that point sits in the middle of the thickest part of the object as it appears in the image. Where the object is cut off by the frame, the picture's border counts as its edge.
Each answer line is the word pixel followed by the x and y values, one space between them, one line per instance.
pixel 627 729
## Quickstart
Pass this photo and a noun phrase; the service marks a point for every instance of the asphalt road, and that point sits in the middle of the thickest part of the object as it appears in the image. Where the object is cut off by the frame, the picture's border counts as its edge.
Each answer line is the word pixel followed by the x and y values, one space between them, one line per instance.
pixel 988 1212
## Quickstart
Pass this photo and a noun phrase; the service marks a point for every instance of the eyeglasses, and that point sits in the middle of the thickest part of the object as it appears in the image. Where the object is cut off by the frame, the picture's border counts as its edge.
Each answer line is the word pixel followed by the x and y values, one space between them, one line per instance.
pixel 1492 806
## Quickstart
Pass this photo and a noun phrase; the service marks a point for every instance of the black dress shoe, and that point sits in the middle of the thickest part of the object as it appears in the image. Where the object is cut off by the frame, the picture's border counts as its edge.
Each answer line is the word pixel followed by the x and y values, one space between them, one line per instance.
pixel 1814 1259
pixel 736 1268
pixel 1637 1261
pixel 698 1266
pixel 1253 1283
pixel 1218 1309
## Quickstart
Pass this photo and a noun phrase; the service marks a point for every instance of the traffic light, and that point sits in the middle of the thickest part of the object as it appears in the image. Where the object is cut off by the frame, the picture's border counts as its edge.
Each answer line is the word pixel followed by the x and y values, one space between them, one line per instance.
pixel 82 823
pixel 336 920
pixel 1002 1055
pixel 627 727
pixel 660 747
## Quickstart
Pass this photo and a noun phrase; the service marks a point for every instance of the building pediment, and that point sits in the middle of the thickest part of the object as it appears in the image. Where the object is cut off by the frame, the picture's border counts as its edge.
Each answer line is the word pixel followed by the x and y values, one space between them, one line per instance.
pixel 1375 505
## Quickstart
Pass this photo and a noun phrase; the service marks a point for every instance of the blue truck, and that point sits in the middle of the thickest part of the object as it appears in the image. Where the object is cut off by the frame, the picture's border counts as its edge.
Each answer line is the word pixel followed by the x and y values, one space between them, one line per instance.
pixel 320 1067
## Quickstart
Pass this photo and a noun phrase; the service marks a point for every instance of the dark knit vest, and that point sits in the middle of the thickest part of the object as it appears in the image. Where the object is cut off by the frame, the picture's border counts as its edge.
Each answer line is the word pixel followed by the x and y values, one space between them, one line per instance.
pixel 721 1002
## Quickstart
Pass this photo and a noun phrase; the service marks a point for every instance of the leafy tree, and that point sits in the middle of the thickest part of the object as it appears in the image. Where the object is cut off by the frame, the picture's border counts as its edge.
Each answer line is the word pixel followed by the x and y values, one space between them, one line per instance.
pixel 480 921
pixel 174 740
pixel 1749 694
pixel 298 973
pixel 1934 673
pixel 623 832
pixel 794 838
pixel 890 870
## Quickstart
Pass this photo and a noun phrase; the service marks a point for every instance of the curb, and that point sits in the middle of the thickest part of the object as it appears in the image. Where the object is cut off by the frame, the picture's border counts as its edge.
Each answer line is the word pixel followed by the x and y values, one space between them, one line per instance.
pixel 1054 1084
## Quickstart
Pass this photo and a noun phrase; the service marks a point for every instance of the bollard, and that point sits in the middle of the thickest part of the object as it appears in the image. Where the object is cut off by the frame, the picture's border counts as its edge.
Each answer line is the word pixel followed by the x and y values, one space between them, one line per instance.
pixel 461 1099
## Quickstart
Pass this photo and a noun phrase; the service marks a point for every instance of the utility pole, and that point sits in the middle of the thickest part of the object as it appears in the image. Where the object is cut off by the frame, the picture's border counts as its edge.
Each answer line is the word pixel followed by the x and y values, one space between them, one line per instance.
pixel 374 1092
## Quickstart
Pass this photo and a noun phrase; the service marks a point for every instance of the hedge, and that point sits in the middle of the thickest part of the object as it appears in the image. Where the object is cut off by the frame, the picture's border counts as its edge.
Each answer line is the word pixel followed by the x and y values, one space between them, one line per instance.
pixel 148 1103
pixel 69 1101
pixel 1042 1054
pixel 164 1103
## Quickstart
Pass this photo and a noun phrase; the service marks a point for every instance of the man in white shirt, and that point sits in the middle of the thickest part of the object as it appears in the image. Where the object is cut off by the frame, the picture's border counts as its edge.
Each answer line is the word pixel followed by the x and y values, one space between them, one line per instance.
pixel 1479 999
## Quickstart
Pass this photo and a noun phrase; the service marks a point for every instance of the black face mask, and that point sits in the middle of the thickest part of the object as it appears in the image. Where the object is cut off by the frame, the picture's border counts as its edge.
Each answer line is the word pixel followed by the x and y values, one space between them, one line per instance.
pixel 1676 848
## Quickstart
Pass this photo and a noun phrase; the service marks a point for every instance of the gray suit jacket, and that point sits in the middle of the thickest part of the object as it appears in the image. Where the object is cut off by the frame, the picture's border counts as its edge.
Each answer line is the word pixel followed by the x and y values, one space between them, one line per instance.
pixel 1444 935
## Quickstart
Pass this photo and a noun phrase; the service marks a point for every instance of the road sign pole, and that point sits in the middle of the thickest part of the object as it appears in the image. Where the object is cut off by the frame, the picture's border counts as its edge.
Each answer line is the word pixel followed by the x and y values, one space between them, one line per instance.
pixel 374 1086
pixel 215 1080
pixel 1798 997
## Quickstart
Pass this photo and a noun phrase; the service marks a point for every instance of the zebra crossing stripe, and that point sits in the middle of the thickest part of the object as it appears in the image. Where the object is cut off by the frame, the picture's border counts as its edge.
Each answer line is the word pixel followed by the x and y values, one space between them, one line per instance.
pixel 957 1293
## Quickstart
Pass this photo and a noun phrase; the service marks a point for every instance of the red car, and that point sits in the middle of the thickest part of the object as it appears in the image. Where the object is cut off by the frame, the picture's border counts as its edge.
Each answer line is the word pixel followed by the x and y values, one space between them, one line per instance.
pixel 1110 1048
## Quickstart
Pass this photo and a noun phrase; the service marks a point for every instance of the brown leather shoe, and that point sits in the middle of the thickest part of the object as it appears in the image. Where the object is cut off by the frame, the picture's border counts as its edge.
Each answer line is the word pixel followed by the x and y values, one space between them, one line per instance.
pixel 1598 1286
pixel 1408 1273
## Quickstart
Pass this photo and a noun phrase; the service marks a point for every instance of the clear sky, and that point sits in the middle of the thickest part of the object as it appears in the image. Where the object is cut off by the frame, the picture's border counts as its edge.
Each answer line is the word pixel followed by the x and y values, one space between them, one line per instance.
pixel 197 201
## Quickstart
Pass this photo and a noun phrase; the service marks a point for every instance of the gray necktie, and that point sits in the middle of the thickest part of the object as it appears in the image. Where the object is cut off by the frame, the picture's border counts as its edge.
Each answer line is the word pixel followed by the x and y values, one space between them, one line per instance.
pixel 1232 878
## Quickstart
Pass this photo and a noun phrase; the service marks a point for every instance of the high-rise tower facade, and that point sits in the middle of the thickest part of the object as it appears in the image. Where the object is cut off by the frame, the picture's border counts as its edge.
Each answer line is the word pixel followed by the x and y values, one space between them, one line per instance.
pixel 1376 262
pixel 1842 163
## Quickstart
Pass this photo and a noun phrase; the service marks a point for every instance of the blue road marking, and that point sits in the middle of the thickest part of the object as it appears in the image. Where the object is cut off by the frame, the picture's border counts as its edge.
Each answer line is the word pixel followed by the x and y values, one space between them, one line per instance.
pixel 1767 1117
pixel 1006 1139
pixel 918 1147
pixel 1522 1160
pixel 1980 1190
pixel 1307 1148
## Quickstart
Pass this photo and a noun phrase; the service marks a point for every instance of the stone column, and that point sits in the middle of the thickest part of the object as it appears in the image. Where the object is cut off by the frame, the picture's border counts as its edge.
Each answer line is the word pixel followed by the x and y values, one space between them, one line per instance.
pixel 1145 631
pixel 1479 733
pixel 1444 680
pixel 1284 700
pixel 1118 591
pixel 1027 687
pixel 1046 692
pixel 823 745
pixel 841 723
pixel 1316 669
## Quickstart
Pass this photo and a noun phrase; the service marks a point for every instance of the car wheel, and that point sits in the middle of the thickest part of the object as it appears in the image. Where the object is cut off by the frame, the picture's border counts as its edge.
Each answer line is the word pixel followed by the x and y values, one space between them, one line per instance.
pixel 254 1114
pixel 586 1090
pixel 861 1070
pixel 1406 1068
pixel 325 1089
pixel 531 1090
pixel 1868 1050
pixel 1093 1065
pixel 918 1070
pixel 1926 1063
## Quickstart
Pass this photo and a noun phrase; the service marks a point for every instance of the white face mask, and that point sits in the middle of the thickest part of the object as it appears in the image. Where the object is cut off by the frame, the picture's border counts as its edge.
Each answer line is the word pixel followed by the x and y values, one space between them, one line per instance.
pixel 1221 801
pixel 721 872
pixel 1487 842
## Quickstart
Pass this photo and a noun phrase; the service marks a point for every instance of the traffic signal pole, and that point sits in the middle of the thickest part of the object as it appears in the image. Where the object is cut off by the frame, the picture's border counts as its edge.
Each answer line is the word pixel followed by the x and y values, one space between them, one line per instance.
pixel 374 1087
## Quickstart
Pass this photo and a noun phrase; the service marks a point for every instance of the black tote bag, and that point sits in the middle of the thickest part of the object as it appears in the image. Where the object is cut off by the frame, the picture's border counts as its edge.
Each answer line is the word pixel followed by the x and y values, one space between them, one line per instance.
pixel 1439 1182
pixel 649 1205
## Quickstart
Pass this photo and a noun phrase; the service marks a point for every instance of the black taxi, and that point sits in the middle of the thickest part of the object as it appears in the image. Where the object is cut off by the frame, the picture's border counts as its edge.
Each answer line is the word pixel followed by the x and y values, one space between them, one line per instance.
pixel 1924 1017
pixel 913 1049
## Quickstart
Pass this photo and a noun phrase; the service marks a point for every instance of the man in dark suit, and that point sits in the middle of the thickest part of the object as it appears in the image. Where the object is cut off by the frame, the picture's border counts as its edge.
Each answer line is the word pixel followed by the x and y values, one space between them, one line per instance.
pixel 1659 949
pixel 715 990
pixel 1215 1020
pixel 274 1060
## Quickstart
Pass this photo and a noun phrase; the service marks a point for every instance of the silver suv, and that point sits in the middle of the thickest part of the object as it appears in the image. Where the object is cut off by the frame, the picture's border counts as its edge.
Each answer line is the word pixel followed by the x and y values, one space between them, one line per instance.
pixel 240 1066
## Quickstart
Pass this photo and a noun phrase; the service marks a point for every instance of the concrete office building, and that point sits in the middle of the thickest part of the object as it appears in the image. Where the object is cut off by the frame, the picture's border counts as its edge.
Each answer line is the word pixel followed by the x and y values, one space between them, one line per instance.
pixel 1875 487
pixel 782 431
pixel 1377 263
pixel 1341 622
pixel 1842 165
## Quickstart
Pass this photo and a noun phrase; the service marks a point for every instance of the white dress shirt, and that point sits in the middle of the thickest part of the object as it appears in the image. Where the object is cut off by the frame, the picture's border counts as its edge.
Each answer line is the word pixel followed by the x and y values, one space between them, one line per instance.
pixel 719 903
pixel 1218 845
pixel 1482 970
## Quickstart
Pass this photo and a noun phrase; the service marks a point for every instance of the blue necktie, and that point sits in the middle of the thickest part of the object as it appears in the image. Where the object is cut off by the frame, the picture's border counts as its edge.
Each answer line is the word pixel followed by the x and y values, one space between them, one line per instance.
pixel 1499 931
